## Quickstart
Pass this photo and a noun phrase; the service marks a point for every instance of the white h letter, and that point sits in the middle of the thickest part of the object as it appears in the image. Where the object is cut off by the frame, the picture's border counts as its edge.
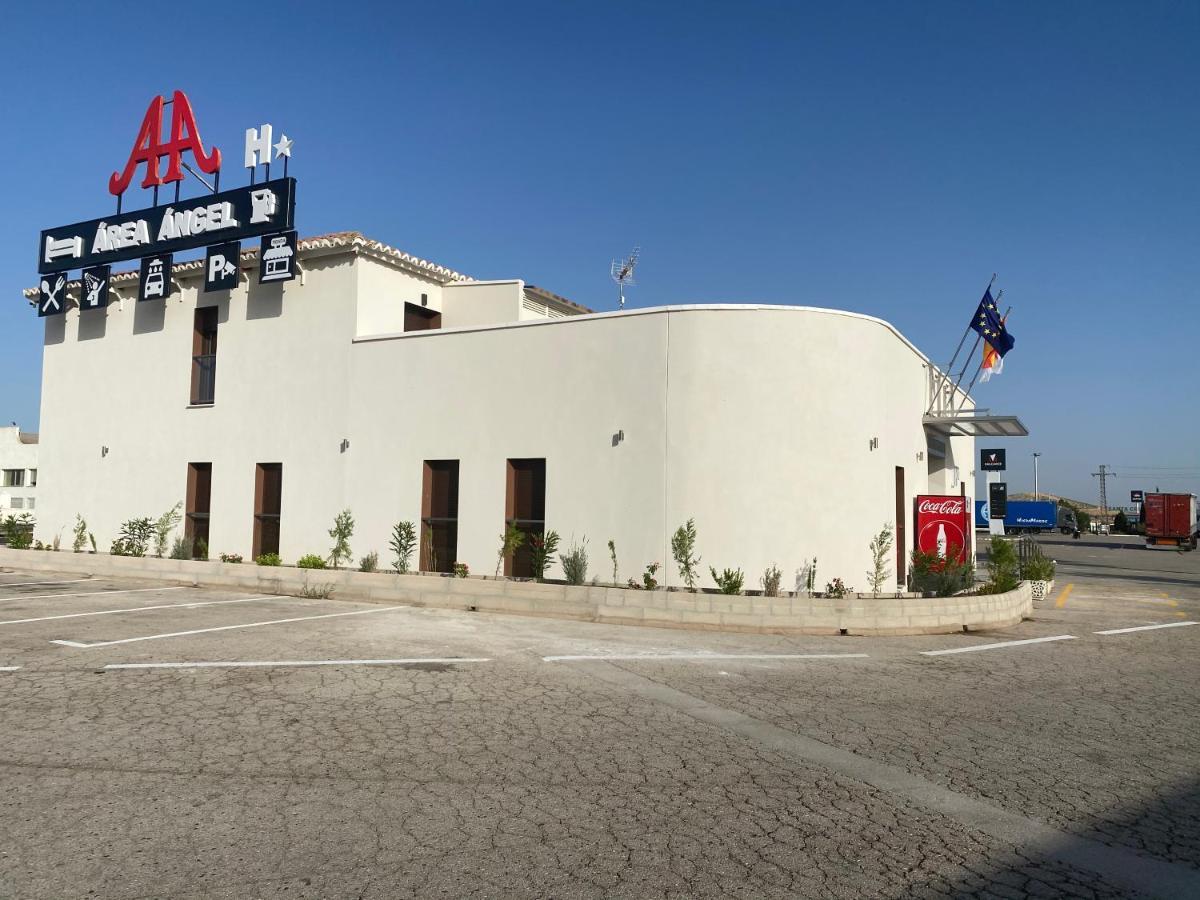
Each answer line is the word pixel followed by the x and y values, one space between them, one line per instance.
pixel 258 146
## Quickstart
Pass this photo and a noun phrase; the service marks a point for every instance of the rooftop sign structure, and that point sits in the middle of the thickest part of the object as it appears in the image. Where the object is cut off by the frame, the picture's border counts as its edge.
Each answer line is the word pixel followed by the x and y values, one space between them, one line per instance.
pixel 153 234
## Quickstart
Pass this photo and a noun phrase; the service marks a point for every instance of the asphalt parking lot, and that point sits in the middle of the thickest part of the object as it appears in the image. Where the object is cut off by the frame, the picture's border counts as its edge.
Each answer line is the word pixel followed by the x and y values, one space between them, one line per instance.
pixel 162 741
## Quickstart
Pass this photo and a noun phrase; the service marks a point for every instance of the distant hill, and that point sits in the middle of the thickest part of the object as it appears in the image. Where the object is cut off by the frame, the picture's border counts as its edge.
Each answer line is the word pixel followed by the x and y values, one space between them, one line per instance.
pixel 1088 507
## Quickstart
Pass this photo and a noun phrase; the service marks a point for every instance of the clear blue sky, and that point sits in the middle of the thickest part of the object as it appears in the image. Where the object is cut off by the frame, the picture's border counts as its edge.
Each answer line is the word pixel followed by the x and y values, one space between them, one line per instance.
pixel 884 158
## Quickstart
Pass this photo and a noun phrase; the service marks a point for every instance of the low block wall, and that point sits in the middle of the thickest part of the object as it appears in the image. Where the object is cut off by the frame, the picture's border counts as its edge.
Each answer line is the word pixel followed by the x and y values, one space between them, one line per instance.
pixel 672 609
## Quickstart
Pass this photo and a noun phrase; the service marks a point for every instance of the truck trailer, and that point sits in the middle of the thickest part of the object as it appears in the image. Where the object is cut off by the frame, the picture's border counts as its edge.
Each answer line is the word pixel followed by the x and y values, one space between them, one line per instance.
pixel 1170 520
pixel 1030 517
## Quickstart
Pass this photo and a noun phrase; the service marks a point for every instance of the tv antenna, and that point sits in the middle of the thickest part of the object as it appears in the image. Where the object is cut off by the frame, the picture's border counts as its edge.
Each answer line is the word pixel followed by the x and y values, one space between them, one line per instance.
pixel 622 274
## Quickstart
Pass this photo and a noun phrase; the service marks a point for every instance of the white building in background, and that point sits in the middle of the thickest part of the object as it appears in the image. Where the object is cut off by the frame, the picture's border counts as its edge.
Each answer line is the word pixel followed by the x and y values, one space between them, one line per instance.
pixel 18 472
pixel 403 390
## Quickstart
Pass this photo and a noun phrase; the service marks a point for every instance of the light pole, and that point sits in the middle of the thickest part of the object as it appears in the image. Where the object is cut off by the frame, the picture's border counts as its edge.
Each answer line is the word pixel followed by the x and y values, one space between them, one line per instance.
pixel 1036 495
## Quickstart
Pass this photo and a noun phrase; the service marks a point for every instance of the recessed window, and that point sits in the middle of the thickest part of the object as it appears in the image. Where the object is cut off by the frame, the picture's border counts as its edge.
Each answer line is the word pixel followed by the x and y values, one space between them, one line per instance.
pixel 525 507
pixel 14 478
pixel 439 515
pixel 204 357
pixel 268 504
pixel 33 477
pixel 30 502
pixel 18 502
pixel 418 318
pixel 199 499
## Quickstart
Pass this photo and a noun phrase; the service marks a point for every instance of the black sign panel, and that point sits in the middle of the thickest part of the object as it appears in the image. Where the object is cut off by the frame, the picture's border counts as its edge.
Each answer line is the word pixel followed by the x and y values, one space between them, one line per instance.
pixel 998 499
pixel 52 294
pixel 1137 497
pixel 277 258
pixel 992 460
pixel 221 266
pixel 250 211
pixel 93 288
pixel 155 282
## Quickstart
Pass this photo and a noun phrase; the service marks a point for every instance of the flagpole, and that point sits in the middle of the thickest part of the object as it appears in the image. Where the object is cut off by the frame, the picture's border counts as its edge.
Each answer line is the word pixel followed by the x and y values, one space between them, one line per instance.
pixel 948 373
pixel 979 369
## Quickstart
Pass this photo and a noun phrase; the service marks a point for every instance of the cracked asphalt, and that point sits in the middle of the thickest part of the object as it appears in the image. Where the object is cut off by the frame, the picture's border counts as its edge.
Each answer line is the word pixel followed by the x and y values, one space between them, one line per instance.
pixel 435 753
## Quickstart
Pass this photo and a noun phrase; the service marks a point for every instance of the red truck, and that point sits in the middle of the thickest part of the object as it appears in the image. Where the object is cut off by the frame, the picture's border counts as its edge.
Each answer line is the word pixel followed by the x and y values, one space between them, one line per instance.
pixel 1170 520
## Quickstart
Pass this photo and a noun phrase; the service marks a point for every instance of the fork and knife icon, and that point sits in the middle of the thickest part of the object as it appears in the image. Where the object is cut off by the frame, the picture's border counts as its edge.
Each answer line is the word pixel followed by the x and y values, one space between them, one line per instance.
pixel 51 295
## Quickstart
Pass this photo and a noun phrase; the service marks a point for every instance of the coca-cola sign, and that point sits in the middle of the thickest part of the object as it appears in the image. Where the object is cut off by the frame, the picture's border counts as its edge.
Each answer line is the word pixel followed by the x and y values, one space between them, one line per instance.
pixel 942 506
pixel 942 526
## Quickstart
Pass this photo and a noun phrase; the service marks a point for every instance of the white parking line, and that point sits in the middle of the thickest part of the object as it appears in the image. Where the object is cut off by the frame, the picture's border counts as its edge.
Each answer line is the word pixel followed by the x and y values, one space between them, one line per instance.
pixel 92 593
pixel 1145 628
pixel 110 612
pixel 9 668
pixel 1041 640
pixel 154 637
pixel 714 656
pixel 299 662
pixel 8 584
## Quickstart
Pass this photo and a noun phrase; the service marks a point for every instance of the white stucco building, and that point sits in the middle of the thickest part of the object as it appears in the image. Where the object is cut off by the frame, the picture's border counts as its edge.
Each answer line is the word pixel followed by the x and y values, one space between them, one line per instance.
pixel 18 471
pixel 403 390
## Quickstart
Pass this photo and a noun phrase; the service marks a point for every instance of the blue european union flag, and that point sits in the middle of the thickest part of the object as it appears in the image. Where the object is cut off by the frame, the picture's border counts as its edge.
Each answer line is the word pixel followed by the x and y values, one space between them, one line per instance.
pixel 987 323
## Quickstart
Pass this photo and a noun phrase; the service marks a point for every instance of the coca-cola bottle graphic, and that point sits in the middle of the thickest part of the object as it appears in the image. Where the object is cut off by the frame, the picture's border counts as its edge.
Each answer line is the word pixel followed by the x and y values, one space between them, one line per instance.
pixel 941 540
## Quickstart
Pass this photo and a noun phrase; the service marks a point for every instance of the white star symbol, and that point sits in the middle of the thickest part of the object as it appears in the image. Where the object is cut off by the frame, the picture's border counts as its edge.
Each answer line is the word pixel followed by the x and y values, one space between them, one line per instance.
pixel 284 146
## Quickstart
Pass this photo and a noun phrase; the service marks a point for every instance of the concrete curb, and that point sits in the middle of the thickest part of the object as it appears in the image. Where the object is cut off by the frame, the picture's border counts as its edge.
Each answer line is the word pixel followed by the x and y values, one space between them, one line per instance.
pixel 854 615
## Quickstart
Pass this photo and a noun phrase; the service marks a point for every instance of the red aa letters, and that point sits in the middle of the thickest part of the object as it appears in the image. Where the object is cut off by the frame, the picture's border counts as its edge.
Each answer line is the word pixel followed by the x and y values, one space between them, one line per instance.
pixel 149 146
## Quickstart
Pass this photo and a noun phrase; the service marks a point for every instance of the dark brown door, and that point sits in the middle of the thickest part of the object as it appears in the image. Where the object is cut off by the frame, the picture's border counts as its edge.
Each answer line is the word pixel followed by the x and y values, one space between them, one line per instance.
pixel 439 515
pixel 901 528
pixel 199 498
pixel 525 507
pixel 268 503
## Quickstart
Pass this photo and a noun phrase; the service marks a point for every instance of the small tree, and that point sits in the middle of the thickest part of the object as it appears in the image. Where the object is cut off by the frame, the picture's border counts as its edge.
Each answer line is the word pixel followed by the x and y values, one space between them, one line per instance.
pixel 404 541
pixel 510 541
pixel 1121 523
pixel 544 545
pixel 683 549
pixel 431 558
pixel 341 532
pixel 164 526
pixel 575 563
pixel 81 534
pixel 612 553
pixel 881 548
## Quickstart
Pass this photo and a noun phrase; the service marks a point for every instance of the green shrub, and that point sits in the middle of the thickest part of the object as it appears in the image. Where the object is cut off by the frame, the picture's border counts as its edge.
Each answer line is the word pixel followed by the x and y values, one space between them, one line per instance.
pixel 1037 567
pixel 18 531
pixel 200 549
pixel 543 545
pixel 881 549
pixel 575 563
pixel 683 549
pixel 403 543
pixel 311 561
pixel 163 527
pixel 461 570
pixel 237 557
pixel 942 577
pixel 134 538
pixel 81 534
pixel 510 542
pixel 729 580
pixel 369 563
pixel 837 589
pixel 612 552
pixel 272 559
pixel 181 548
pixel 771 577
pixel 341 532
pixel 1004 568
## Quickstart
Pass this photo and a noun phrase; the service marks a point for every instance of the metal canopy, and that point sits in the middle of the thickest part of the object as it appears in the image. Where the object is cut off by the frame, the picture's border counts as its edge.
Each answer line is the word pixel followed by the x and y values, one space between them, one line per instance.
pixel 970 425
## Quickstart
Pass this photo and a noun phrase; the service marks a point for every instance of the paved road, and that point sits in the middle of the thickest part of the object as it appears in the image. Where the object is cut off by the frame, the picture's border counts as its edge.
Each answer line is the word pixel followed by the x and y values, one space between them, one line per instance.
pixel 172 742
